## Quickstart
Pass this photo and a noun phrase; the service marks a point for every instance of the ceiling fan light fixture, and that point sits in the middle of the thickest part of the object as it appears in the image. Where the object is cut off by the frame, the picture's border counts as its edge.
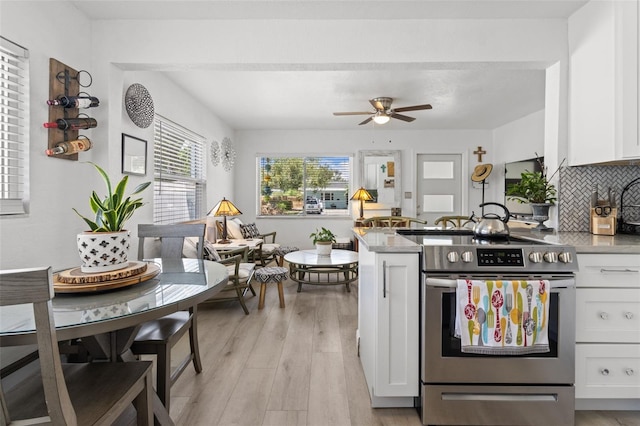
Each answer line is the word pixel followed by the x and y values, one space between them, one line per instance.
pixel 381 118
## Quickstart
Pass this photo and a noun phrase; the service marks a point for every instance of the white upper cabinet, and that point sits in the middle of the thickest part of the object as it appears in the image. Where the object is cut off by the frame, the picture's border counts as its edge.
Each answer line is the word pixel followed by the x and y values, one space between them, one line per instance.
pixel 604 47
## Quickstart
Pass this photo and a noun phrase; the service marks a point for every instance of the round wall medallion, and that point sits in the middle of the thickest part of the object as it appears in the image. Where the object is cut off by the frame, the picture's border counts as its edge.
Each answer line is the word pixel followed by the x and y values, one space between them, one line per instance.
pixel 139 105
pixel 214 153
pixel 227 153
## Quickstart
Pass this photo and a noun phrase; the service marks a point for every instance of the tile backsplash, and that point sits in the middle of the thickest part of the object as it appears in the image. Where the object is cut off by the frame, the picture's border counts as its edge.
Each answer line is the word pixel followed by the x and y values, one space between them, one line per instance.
pixel 575 185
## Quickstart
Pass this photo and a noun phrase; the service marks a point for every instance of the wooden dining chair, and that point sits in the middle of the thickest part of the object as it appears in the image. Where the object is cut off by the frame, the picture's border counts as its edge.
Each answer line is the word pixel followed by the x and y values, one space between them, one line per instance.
pixel 67 394
pixel 157 337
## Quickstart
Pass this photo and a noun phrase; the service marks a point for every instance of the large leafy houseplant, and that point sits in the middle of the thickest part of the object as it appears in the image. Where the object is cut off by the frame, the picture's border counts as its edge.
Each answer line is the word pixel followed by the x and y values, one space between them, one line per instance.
pixel 113 211
pixel 534 187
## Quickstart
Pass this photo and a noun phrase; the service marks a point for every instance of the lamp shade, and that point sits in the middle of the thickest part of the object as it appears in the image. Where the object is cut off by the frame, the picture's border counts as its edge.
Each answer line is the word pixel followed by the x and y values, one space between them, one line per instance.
pixel 362 195
pixel 224 208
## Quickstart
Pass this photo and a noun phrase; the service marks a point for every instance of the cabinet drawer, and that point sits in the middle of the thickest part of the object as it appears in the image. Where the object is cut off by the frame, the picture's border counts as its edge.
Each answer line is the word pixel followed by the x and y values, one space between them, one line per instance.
pixel 607 315
pixel 607 371
pixel 609 270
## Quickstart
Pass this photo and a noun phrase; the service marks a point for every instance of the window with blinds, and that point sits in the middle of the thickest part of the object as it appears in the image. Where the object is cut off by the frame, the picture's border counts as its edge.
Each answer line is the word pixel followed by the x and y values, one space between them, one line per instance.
pixel 14 127
pixel 179 180
pixel 298 186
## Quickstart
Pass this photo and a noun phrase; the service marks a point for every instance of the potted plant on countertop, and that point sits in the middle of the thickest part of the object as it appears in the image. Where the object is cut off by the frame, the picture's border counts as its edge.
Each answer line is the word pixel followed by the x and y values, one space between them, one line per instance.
pixel 323 240
pixel 105 246
pixel 535 188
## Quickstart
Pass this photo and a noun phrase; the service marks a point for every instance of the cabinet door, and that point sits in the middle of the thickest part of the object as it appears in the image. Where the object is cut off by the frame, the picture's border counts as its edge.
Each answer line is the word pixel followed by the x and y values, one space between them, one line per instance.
pixel 607 371
pixel 608 315
pixel 629 13
pixel 398 317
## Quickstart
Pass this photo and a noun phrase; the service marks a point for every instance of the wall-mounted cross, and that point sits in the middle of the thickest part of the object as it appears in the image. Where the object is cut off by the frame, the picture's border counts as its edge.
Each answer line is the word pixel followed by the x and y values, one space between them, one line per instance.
pixel 479 152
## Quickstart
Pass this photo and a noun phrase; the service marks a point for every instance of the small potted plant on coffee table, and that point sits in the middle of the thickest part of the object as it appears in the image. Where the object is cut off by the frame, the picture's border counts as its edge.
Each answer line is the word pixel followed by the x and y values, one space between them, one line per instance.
pixel 323 240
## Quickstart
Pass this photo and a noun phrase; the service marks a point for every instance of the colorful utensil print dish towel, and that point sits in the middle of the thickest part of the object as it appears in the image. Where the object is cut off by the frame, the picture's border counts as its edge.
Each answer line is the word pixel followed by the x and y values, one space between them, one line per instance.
pixel 503 317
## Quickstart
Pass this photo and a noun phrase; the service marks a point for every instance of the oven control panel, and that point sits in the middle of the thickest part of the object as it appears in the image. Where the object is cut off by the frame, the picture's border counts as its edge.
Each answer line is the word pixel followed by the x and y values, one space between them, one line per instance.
pixel 500 257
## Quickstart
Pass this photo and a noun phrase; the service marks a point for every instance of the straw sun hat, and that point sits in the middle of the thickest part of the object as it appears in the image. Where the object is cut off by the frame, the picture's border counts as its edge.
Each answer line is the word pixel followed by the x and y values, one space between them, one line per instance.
pixel 481 172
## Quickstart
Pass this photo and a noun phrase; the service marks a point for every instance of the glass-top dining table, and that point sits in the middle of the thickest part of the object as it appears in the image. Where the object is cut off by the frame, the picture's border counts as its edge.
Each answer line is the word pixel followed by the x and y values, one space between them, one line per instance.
pixel 107 321
pixel 181 284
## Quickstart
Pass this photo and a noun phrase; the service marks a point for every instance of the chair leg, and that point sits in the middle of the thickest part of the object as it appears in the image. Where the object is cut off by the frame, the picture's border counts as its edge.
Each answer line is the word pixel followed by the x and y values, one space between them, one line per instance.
pixel 241 299
pixel 252 290
pixel 143 403
pixel 193 341
pixel 163 376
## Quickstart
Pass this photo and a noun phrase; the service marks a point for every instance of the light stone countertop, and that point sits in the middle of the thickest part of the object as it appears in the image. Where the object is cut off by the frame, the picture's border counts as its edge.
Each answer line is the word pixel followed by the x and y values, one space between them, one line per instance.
pixel 585 242
pixel 386 240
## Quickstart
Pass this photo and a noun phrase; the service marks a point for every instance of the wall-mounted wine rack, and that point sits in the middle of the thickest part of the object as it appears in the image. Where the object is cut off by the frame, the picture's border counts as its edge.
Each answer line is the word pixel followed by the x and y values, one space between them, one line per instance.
pixel 63 81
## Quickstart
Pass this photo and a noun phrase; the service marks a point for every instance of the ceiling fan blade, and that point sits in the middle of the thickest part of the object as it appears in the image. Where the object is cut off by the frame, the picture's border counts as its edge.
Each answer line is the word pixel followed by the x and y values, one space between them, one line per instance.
pixel 377 104
pixel 413 108
pixel 366 121
pixel 353 113
pixel 402 117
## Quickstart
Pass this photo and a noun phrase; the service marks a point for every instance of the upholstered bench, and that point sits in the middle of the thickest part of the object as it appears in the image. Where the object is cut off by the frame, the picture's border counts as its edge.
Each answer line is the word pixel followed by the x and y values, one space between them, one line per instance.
pixel 271 274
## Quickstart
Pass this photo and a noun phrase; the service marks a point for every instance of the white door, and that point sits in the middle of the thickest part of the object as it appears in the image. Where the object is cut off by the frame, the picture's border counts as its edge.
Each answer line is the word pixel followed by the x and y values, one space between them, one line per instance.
pixel 439 186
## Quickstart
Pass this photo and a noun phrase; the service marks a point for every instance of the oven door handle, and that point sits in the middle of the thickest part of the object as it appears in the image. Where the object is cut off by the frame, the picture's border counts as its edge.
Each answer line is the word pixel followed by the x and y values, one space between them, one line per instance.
pixel 453 283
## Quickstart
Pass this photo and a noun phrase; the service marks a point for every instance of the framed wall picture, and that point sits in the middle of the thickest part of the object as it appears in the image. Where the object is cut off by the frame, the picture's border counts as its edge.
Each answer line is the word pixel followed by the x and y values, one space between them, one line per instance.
pixel 134 155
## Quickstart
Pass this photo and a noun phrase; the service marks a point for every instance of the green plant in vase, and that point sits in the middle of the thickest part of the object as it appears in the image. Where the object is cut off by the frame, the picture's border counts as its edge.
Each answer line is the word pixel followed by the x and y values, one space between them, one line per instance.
pixel 105 246
pixel 535 188
pixel 323 240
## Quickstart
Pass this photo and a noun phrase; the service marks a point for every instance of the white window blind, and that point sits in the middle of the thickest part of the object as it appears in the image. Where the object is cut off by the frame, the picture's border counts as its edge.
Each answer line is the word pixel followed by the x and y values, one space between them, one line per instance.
pixel 179 181
pixel 14 127
pixel 297 186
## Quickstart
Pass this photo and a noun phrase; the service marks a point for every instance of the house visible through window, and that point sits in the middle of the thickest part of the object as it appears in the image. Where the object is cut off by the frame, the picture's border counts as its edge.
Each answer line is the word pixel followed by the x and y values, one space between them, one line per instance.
pixel 295 186
pixel 179 181
pixel 14 127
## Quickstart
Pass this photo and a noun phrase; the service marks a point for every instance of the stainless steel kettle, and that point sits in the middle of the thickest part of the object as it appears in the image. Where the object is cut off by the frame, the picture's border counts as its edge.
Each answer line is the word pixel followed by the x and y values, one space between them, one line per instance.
pixel 491 225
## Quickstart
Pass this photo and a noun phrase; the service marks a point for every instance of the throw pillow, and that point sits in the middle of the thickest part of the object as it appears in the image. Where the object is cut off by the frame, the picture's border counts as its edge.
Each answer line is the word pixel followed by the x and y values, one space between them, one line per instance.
pixel 249 230
pixel 210 253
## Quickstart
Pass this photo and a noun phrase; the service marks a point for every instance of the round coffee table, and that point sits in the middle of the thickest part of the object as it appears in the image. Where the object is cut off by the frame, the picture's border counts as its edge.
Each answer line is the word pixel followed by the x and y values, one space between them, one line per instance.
pixel 306 267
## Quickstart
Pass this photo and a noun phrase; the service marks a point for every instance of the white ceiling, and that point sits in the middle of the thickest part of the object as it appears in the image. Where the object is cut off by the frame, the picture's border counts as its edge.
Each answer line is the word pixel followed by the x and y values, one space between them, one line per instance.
pixel 476 97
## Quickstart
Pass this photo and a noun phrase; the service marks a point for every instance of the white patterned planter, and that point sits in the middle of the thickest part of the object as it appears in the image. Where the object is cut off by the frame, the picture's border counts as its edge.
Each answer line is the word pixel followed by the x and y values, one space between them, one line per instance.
pixel 103 251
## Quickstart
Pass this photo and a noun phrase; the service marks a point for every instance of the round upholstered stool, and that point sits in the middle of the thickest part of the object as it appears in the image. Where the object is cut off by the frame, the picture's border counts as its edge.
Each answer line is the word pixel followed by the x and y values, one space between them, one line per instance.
pixel 279 252
pixel 271 274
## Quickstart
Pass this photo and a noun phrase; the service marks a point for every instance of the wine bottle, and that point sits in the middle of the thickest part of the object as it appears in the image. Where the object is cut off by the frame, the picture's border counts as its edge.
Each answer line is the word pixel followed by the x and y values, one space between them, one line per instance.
pixel 75 102
pixel 72 123
pixel 70 147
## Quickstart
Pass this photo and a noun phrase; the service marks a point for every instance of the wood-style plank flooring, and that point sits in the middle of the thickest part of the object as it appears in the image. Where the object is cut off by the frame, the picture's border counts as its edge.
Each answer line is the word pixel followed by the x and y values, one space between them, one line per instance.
pixel 296 366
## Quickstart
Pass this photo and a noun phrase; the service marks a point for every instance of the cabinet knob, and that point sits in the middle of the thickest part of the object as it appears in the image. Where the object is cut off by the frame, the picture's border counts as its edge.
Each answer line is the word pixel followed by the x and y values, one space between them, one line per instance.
pixel 604 371
pixel 629 371
pixel 628 315
pixel 604 315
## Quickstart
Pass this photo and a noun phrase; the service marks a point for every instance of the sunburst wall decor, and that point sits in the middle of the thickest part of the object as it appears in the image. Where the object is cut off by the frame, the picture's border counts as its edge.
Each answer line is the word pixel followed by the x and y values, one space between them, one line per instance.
pixel 227 153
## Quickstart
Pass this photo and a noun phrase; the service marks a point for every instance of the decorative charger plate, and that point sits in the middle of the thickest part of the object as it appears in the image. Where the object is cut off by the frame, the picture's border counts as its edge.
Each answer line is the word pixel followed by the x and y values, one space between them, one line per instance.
pixel 75 281
pixel 139 105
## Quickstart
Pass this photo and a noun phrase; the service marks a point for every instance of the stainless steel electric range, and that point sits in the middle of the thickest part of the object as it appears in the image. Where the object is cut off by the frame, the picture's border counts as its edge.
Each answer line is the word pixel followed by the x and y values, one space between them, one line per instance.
pixel 459 388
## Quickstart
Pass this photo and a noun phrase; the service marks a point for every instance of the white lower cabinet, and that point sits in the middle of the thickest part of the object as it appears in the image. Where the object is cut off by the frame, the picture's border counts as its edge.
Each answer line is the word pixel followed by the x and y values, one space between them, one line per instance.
pixel 608 327
pixel 388 317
